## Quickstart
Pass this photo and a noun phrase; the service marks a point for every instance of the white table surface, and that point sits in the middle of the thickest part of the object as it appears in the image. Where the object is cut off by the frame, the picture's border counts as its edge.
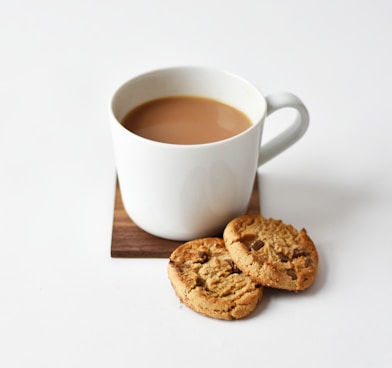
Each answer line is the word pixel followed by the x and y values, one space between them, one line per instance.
pixel 64 302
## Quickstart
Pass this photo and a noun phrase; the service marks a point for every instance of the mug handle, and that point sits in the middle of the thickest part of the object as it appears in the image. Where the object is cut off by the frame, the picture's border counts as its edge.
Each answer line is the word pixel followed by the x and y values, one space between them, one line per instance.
pixel 290 135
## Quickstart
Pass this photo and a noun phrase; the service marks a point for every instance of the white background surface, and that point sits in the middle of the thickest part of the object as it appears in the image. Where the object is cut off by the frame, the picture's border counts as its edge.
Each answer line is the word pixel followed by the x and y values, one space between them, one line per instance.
pixel 64 302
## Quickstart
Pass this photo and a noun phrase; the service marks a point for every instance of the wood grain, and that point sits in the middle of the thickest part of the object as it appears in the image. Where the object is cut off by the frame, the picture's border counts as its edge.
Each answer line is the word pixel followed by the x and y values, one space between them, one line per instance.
pixel 129 241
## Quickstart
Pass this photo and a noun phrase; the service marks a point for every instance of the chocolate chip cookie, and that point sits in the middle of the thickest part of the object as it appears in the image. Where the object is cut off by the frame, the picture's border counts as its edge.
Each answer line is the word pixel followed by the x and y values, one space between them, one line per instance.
pixel 272 253
pixel 206 279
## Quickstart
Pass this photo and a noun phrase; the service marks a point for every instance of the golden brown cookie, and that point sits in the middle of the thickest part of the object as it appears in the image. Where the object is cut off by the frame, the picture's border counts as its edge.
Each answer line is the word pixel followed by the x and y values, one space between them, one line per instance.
pixel 272 253
pixel 206 280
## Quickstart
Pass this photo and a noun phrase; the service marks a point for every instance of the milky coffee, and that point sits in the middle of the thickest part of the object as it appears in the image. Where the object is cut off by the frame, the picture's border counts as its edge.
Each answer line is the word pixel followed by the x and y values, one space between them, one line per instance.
pixel 185 120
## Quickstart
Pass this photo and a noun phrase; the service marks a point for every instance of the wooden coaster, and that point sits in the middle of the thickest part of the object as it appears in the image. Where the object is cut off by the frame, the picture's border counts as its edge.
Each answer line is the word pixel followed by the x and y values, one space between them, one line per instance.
pixel 129 241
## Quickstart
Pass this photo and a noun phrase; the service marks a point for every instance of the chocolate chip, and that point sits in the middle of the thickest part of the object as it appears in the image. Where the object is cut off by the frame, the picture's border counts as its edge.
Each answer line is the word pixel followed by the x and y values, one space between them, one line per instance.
pixel 200 282
pixel 292 274
pixel 203 256
pixel 308 262
pixel 283 258
pixel 234 268
pixel 230 262
pixel 258 244
pixel 300 252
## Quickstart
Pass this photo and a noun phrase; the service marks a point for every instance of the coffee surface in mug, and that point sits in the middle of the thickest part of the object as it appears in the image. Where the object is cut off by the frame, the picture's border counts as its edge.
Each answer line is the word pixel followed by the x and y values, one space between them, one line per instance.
pixel 185 120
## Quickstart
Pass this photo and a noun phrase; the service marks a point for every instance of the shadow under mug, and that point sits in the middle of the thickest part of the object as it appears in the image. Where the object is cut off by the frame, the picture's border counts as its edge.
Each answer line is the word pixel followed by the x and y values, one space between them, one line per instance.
pixel 184 192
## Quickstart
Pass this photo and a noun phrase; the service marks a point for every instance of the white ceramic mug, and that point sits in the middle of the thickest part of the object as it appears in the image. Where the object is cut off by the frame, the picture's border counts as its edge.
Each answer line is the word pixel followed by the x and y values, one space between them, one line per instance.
pixel 184 192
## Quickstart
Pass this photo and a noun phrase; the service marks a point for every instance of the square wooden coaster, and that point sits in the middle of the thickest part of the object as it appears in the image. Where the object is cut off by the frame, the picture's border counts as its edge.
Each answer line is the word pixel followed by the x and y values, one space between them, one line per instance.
pixel 129 241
